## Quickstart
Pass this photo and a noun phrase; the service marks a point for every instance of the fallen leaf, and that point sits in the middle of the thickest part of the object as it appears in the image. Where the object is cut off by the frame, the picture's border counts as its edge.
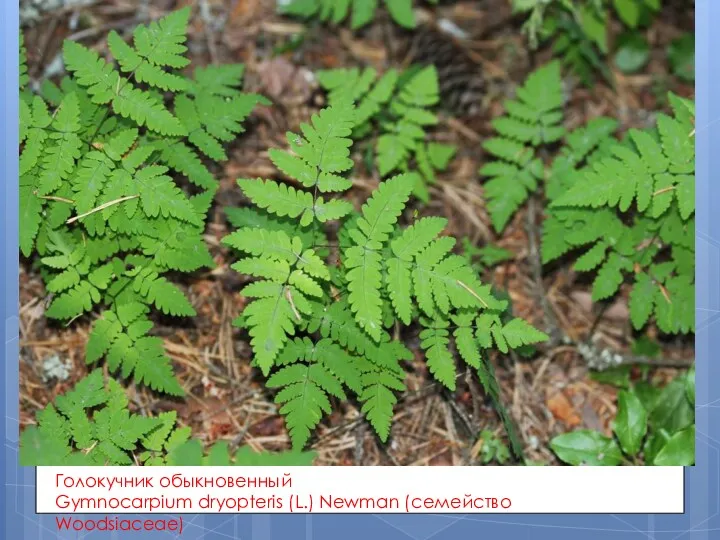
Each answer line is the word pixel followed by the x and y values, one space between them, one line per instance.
pixel 561 408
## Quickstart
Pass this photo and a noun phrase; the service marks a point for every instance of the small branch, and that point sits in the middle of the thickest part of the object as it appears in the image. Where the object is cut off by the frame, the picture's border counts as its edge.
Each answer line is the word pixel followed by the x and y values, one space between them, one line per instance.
pixel 88 450
pixel 664 292
pixel 360 443
pixel 101 207
pixel 115 25
pixel 207 19
pixel 468 289
pixel 659 362
pixel 602 359
pixel 663 190
pixel 54 198
pixel 471 429
pixel 289 297
pixel 551 324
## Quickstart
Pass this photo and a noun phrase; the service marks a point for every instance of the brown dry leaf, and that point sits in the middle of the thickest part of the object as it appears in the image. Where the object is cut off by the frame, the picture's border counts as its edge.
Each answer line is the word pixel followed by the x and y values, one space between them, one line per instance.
pixel 617 311
pixel 561 408
pixel 270 426
pixel 363 50
pixel 244 9
pixel 281 80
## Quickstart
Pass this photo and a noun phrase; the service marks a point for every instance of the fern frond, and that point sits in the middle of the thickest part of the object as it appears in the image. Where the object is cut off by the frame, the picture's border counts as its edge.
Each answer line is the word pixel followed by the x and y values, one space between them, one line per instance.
pixel 183 159
pixel 381 383
pixel 59 158
pixel 289 273
pixel 92 425
pixel 319 328
pixel 105 85
pixel 435 342
pixel 360 87
pixel 653 174
pixel 401 106
pixel 99 203
pixel 162 42
pixel 649 180
pixel 23 73
pixel 404 134
pixel 307 380
pixel 121 336
pixel 157 290
pixel 582 145
pixel 364 260
pixel 361 12
pixel 532 119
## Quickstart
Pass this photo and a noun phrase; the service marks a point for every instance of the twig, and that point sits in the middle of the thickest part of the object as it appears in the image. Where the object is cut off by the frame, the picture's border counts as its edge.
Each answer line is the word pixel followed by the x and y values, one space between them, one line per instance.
pixel 663 190
pixel 551 323
pixel 206 17
pixel 360 443
pixel 457 125
pixel 54 198
pixel 45 44
pixel 464 420
pixel 468 289
pixel 289 297
pixel 101 207
pixel 90 32
pixel 659 362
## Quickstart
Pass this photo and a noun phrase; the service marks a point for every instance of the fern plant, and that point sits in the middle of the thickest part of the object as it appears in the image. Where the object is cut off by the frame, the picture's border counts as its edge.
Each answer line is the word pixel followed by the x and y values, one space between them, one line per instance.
pixel 531 130
pixel 101 193
pixel 91 425
pixel 360 12
pixel 631 211
pixel 532 121
pixel 579 29
pixel 397 110
pixel 322 330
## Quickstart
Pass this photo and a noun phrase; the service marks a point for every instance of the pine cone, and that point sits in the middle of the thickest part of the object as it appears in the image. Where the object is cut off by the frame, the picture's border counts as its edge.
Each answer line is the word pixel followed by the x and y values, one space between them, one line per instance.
pixel 462 83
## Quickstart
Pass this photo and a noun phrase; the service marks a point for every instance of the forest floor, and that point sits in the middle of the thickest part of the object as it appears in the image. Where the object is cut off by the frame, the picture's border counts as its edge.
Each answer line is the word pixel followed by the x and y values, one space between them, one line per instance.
pixel 551 393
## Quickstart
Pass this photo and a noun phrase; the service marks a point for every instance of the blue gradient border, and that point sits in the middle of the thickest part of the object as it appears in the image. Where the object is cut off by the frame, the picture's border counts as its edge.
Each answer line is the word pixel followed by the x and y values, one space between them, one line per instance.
pixel 701 520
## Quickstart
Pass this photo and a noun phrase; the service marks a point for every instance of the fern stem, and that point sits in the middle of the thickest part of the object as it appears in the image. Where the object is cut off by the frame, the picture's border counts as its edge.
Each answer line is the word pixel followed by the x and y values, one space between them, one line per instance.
pixel 101 207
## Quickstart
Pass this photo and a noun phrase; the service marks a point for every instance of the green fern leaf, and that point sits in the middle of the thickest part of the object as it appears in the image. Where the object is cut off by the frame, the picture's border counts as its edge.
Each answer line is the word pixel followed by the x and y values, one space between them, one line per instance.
pixel 592 258
pixel 122 336
pixel 533 119
pixel 142 68
pixel 675 306
pixel 59 159
pixel 363 259
pixel 641 300
pixel 465 340
pixel 403 136
pixel 361 12
pixel 105 85
pixel 305 389
pixel 159 291
pixel 162 42
pixel 184 160
pixel 609 277
pixel 30 216
pixel 435 342
pixel 24 78
pixel 378 402
pixel 402 12
pixel 518 332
